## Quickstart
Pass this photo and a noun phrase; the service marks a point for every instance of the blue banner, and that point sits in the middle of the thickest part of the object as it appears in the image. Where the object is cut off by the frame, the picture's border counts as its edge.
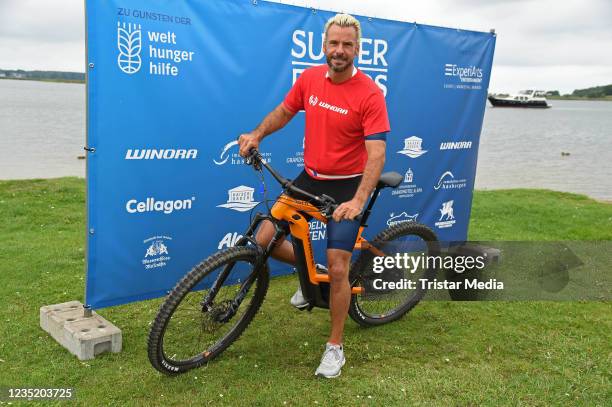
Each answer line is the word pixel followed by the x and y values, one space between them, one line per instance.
pixel 171 84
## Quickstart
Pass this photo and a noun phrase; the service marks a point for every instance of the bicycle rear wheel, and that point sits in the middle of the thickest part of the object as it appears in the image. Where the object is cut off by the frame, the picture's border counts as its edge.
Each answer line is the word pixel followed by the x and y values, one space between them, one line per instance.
pixel 195 324
pixel 394 291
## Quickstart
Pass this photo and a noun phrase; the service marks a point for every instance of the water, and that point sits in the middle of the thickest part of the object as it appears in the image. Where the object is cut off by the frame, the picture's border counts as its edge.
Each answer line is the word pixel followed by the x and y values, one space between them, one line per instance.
pixel 522 148
pixel 42 129
pixel 42 132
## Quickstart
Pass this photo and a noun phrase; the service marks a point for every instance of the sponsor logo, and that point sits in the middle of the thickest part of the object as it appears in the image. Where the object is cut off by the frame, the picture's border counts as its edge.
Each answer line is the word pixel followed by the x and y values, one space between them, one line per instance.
pixel 448 181
pixel 447 218
pixel 298 157
pixel 408 189
pixel 161 53
pixel 229 240
pixel 157 255
pixel 463 77
pixel 161 154
pixel 455 145
pixel 152 205
pixel 129 43
pixel 240 199
pixel 402 217
pixel 317 230
pixel 313 101
pixel 307 51
pixel 412 147
pixel 230 155
pixel 408 176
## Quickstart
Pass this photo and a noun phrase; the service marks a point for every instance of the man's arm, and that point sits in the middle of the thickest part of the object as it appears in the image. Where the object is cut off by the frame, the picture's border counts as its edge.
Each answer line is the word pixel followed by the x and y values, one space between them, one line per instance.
pixel 275 120
pixel 371 175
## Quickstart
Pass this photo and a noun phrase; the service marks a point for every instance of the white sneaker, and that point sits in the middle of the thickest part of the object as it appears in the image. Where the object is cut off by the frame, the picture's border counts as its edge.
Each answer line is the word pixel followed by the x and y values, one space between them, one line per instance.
pixel 298 300
pixel 331 362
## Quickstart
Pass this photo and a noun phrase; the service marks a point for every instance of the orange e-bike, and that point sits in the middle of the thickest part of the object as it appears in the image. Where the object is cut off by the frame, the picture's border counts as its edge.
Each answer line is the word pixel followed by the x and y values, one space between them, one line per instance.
pixel 213 304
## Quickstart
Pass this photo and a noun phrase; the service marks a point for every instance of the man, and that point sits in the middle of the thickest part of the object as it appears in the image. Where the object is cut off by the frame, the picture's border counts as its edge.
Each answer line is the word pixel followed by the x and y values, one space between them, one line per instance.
pixel 344 154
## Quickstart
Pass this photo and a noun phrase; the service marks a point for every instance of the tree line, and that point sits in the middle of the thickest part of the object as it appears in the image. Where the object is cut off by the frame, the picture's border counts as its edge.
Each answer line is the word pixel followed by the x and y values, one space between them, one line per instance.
pixel 42 75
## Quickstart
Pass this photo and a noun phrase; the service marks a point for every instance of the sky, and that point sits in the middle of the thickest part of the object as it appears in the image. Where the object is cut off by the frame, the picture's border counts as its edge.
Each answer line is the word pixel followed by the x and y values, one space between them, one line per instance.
pixel 546 44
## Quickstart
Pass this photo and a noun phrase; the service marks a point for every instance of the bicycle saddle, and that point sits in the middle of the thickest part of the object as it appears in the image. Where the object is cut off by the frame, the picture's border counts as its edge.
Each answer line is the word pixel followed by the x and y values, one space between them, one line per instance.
pixel 390 179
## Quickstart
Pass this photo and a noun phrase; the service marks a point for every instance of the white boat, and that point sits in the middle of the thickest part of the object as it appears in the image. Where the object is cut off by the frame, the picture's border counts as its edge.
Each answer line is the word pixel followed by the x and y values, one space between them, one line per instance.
pixel 525 98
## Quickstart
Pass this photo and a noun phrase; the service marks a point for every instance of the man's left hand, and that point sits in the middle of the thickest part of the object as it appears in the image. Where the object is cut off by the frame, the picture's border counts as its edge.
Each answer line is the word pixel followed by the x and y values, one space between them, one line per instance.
pixel 348 210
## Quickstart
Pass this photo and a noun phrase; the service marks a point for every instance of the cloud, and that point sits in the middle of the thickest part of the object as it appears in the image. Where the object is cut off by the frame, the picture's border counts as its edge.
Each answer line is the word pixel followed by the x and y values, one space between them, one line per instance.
pixel 537 39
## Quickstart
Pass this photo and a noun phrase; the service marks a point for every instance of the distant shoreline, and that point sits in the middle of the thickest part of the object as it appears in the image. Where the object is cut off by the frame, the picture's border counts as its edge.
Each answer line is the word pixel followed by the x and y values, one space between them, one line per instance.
pixel 45 80
pixel 605 99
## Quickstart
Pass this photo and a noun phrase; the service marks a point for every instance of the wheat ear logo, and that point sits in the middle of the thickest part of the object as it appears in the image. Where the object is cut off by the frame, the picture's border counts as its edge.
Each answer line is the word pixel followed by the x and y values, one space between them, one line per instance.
pixel 129 43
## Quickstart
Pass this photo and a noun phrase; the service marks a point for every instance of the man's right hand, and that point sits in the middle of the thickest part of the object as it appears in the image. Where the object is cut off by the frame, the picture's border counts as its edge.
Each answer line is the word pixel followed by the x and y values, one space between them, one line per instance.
pixel 246 142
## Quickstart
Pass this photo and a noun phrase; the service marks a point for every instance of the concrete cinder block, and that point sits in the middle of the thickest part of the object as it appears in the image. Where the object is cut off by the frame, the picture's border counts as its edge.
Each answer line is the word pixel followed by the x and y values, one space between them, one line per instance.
pixel 83 336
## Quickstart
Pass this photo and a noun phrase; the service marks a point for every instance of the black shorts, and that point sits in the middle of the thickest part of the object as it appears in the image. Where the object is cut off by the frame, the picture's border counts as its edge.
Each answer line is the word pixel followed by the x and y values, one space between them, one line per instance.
pixel 340 235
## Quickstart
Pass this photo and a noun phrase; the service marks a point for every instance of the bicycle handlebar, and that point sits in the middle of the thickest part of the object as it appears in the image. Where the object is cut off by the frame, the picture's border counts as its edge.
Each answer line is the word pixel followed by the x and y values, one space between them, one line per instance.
pixel 328 203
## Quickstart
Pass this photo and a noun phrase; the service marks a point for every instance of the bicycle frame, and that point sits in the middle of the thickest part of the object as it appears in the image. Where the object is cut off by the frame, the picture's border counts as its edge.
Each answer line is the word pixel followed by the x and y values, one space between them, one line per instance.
pixel 289 217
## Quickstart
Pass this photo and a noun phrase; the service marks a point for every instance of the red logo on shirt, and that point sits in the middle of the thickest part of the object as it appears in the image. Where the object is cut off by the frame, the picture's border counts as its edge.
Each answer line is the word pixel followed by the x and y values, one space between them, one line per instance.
pixel 313 101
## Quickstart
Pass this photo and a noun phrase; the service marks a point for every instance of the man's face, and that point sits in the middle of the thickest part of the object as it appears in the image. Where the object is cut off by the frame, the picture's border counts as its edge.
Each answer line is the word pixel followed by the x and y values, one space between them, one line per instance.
pixel 341 47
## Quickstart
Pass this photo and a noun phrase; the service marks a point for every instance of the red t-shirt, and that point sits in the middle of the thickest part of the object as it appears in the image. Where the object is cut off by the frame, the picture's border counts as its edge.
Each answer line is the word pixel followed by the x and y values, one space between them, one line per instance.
pixel 339 118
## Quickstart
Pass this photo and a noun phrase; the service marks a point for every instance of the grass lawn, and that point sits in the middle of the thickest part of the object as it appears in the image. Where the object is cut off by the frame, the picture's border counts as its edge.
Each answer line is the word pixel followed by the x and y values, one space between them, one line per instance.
pixel 442 353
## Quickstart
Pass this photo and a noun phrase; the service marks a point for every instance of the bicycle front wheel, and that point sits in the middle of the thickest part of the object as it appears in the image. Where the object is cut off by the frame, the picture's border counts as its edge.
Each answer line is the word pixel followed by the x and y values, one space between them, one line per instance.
pixel 390 292
pixel 196 322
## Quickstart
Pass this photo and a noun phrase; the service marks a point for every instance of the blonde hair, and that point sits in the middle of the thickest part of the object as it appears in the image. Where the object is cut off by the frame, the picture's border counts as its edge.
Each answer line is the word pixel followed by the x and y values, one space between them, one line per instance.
pixel 344 20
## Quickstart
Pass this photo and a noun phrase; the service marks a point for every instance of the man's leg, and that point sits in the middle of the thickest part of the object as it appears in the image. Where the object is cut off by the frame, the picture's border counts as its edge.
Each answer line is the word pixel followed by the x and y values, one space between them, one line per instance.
pixel 340 298
pixel 283 250
pixel 340 292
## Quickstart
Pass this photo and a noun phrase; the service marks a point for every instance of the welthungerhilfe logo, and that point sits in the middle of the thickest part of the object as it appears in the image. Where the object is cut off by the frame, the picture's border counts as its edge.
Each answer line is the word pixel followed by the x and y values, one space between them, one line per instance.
pixel 240 199
pixel 413 147
pixel 402 217
pixel 447 217
pixel 129 44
